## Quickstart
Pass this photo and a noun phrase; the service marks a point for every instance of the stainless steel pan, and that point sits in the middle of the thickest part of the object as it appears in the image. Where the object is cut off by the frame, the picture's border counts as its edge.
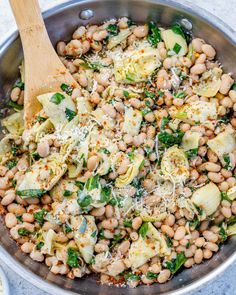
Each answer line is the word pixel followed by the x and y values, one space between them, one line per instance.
pixel 61 21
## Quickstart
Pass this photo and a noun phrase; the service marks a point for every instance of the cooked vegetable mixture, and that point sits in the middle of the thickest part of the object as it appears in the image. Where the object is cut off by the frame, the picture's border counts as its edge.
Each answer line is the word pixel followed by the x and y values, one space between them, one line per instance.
pixel 132 174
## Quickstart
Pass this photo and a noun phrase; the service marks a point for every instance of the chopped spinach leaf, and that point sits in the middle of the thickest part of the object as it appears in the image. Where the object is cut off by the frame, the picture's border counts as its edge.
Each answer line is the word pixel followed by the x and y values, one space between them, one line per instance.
pixel 116 239
pixel 145 111
pixel 85 202
pixel 151 275
pixel 233 87
pixel 228 165
pixel 40 245
pixel 132 276
pixel 31 193
pixel 67 193
pixel 66 228
pixel 149 94
pixel 19 218
pixel 39 216
pixel 94 234
pixel 126 93
pixel 11 164
pixel 23 232
pixel 154 34
pixel 101 234
pixel 223 234
pixel 127 223
pixel 231 221
pixel 79 184
pixel 194 224
pixel 186 34
pixel 72 257
pixel 169 241
pixel 180 94
pixel 70 114
pixel 105 194
pixel 130 23
pixel 169 140
pixel 14 182
pixel 104 150
pixel 92 183
pixel 175 264
pixel 143 230
pixel 19 84
pixel 15 105
pixel 224 196
pixel 112 29
pixel 40 119
pixel 177 48
pixel 164 122
pixel 191 153
pixel 57 98
pixel 66 88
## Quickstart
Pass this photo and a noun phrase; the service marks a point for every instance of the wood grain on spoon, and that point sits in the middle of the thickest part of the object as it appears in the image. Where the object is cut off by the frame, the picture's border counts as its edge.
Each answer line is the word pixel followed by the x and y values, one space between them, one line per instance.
pixel 44 71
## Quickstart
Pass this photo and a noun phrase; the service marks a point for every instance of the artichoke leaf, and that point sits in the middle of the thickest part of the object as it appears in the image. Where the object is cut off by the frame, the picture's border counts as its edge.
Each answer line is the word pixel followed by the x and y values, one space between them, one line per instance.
pixel 170 39
pixel 116 40
pixel 14 123
pixel 190 140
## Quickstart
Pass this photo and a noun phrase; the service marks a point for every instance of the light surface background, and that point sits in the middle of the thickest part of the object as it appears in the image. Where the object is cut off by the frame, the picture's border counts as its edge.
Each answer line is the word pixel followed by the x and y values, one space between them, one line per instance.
pixel 225 284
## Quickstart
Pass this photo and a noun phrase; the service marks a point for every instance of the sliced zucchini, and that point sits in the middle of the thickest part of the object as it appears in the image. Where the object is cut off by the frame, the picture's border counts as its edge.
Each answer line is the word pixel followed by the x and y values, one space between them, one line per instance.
pixel 174 165
pixel 174 42
pixel 207 197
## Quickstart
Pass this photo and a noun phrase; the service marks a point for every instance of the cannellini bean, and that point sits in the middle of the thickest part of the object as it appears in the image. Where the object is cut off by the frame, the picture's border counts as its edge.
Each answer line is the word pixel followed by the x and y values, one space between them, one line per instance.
pixel 164 276
pixel 79 32
pixel 116 268
pixel 189 263
pixel 27 217
pixel 199 242
pixel 167 230
pixel 4 183
pixel 211 167
pixel 98 211
pixel 37 256
pixel 226 83
pixel 61 48
pixel 110 223
pixel 8 198
pixel 82 79
pixel 215 177
pixel 124 247
pixel 99 248
pixel 3 170
pixel 180 233
pixel 16 209
pixel 27 247
pixel 207 254
pixel 93 162
pixel 137 222
pixel 226 212
pixel 198 256
pixel 209 51
pixel 109 211
pixel 198 69
pixel 10 220
pixel 100 35
pixel 43 148
pixel 140 31
pixel 197 44
pixel 211 246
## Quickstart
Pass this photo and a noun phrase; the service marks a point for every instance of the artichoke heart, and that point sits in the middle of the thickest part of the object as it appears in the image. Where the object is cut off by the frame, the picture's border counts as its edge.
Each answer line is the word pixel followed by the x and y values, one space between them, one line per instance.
pixel 196 112
pixel 173 40
pixel 14 123
pixel 190 140
pixel 85 235
pixel 174 165
pixel 131 173
pixel 209 83
pixel 49 238
pixel 137 65
pixel 116 40
pixel 42 176
pixel 56 112
pixel 207 197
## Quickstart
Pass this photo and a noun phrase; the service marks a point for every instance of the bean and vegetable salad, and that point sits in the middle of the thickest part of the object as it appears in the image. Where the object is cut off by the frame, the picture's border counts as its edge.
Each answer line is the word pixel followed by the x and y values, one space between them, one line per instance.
pixel 131 174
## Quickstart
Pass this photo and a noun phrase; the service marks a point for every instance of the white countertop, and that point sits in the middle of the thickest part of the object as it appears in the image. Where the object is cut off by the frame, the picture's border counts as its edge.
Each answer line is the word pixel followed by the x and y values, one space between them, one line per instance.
pixel 225 284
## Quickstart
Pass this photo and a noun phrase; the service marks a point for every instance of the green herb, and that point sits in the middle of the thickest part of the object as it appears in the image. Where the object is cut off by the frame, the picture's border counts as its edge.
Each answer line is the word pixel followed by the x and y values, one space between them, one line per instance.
pixel 66 88
pixel 141 165
pixel 32 193
pixel 96 66
pixel 132 277
pixel 154 34
pixel 104 150
pixel 130 77
pixel 94 234
pixel 19 218
pixel 101 234
pixel 151 275
pixel 92 183
pixel 233 87
pixel 92 261
pixel 35 156
pixel 14 182
pixel 147 150
pixel 67 193
pixel 72 257
pixel 177 48
pixel 40 119
pixel 15 150
pixel 191 153
pixel 149 94
pixel 15 105
pixel 40 245
pixel 160 93
pixel 115 202
pixel 178 29
pixel 66 228
pixel 188 245
pixel 175 264
pixel 112 29
pixel 116 239
pixel 228 165
pixel 126 93
pixel 180 94
pixel 105 194
pixel 57 98
pixel 127 223
pixel 11 164
pixel 224 119
pixel 143 230
pixel 169 140
pixel 19 84
pixel 131 154
pixel 130 23
pixel 223 234
pixel 85 202
pixel 194 224
pixel 164 122
pixel 199 210
pixel 23 232
pixel 145 111
pixel 169 241
pixel 39 216
pixel 232 221
pixel 224 196
pixel 79 184
pixel 70 114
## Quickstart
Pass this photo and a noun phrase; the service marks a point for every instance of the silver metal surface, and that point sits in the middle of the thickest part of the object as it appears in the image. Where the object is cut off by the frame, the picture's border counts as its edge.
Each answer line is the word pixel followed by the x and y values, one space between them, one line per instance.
pixel 60 22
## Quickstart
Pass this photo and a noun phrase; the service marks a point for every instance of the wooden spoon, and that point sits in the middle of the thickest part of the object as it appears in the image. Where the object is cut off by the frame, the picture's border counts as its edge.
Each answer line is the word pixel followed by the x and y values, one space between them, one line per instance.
pixel 44 71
